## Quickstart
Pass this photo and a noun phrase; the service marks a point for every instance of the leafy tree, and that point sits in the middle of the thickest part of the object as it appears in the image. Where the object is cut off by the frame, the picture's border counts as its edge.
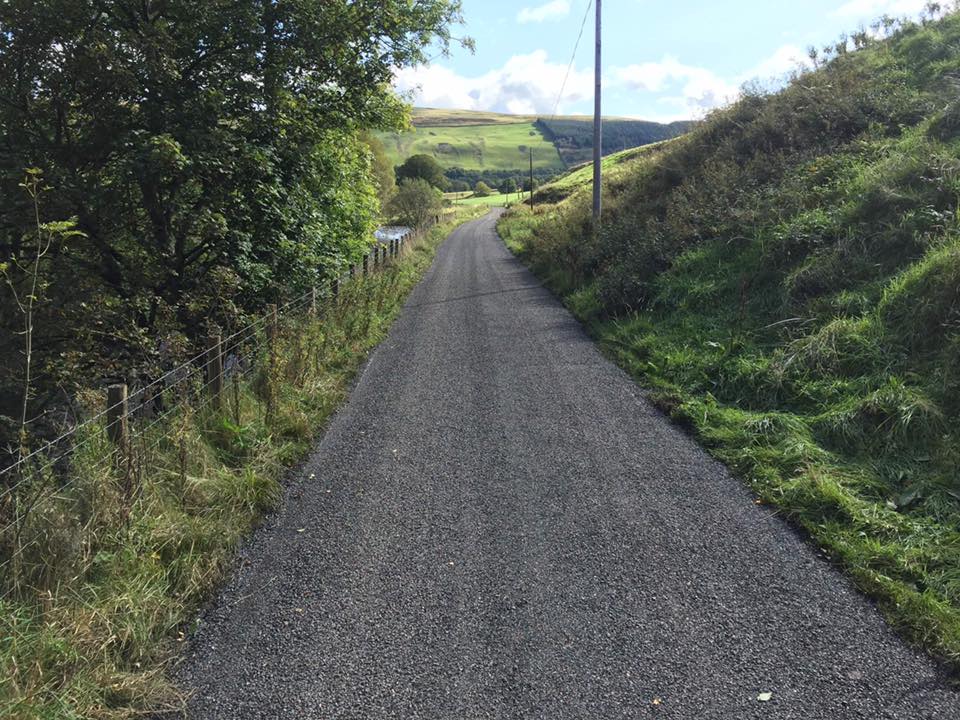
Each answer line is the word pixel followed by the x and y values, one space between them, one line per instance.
pixel 416 202
pixel 210 153
pixel 508 186
pixel 383 173
pixel 423 167
pixel 481 189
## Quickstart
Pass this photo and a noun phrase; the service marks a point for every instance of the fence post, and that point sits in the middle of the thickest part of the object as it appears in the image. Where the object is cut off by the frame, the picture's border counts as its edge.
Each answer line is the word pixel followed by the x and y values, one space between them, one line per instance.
pixel 215 370
pixel 366 263
pixel 335 287
pixel 117 426
pixel 273 331
pixel 313 301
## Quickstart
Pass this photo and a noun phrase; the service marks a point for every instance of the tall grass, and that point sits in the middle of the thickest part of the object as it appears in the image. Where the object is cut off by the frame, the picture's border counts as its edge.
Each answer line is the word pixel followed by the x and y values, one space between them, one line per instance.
pixel 109 585
pixel 786 280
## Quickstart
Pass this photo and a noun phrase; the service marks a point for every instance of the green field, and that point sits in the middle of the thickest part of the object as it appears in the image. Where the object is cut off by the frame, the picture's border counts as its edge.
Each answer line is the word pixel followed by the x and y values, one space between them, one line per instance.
pixel 491 147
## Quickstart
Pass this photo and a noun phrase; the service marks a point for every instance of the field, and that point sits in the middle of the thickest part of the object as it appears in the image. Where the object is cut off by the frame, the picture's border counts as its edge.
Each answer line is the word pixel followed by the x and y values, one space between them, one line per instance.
pixel 490 147
pixel 430 117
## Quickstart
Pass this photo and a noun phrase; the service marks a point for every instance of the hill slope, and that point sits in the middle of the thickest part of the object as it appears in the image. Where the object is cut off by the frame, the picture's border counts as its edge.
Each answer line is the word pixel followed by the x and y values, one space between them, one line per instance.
pixel 786 278
pixel 490 146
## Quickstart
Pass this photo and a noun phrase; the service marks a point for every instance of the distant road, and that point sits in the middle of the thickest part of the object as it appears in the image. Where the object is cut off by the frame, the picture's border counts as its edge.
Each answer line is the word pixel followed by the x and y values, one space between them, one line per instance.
pixel 499 525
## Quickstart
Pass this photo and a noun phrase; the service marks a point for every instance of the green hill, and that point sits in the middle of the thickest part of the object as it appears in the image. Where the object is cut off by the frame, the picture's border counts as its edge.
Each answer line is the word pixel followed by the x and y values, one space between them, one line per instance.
pixel 474 146
pixel 786 280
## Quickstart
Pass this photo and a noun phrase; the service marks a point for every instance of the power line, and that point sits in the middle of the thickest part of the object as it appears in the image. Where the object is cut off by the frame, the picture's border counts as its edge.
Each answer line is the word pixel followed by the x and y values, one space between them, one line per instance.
pixel 573 58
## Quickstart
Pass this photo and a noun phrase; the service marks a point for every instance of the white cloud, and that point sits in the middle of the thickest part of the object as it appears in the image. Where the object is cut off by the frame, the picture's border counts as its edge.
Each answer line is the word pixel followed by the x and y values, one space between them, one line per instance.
pixel 783 62
pixel 553 10
pixel 692 90
pixel 526 84
pixel 870 9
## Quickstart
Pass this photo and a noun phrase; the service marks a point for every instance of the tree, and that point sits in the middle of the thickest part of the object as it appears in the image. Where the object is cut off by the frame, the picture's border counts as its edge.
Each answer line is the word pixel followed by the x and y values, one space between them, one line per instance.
pixel 190 140
pixel 508 186
pixel 481 189
pixel 416 202
pixel 382 169
pixel 423 167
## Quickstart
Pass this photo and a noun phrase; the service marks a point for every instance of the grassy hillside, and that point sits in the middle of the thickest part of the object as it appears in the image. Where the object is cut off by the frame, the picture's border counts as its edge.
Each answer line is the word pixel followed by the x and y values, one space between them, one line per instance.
pixel 786 280
pixel 495 146
pixel 573 137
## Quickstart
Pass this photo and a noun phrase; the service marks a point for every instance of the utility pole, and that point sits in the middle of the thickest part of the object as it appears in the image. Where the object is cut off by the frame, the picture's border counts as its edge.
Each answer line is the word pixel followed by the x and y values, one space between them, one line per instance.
pixel 597 127
pixel 531 178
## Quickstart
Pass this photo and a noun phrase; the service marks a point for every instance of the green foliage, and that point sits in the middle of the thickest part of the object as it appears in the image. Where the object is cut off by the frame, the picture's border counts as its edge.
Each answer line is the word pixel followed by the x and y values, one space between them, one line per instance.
pixel 573 137
pixel 422 167
pixel 416 203
pixel 785 278
pixel 481 189
pixel 190 141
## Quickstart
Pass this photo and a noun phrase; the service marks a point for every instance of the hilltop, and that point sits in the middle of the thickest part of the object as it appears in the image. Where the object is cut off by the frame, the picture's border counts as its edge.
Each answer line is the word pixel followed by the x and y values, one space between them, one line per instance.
pixel 785 278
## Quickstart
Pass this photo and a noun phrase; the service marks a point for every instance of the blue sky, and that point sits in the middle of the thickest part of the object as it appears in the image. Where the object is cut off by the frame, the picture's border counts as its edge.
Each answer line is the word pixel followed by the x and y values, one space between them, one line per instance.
pixel 662 60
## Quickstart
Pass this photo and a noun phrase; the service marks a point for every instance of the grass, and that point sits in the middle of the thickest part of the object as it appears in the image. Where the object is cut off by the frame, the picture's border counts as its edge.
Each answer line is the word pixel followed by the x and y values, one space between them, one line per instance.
pixel 785 279
pixel 111 584
pixel 430 117
pixel 495 200
pixel 491 147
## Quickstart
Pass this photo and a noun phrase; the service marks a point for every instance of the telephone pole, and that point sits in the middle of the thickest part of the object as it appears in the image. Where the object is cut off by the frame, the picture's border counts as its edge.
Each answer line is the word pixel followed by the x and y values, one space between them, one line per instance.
pixel 597 127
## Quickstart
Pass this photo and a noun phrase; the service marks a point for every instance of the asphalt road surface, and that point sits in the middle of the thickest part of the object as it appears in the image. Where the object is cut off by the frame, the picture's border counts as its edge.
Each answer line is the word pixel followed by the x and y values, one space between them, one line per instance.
pixel 499 525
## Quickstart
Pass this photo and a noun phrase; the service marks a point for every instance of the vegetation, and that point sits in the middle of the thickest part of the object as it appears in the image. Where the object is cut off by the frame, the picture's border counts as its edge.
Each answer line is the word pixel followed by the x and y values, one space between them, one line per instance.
pixel 114 582
pixel 207 156
pixel 497 147
pixel 786 280
pixel 416 203
pixel 573 137
pixel 481 189
pixel 474 147
pixel 422 167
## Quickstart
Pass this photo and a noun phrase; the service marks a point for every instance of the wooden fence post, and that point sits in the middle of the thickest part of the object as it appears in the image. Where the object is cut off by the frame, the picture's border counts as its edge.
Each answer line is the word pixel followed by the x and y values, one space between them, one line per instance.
pixel 215 370
pixel 313 301
pixel 273 331
pixel 335 287
pixel 118 429
pixel 366 263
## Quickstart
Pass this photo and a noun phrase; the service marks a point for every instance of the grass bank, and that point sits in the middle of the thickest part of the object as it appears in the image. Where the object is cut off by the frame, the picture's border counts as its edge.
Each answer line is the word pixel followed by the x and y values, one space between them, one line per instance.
pixel 113 579
pixel 786 281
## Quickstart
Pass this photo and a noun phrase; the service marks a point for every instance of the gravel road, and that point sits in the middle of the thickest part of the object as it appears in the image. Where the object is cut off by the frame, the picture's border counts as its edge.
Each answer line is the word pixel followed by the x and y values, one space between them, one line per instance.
pixel 499 525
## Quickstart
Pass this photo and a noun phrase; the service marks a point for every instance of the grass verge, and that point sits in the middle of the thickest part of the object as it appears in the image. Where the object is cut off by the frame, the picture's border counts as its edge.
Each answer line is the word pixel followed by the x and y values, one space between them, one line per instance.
pixel 112 591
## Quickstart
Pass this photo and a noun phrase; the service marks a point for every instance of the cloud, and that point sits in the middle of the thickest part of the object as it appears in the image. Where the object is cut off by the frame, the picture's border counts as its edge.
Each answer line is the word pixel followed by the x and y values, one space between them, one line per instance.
pixel 869 9
pixel 553 10
pixel 783 62
pixel 526 84
pixel 691 90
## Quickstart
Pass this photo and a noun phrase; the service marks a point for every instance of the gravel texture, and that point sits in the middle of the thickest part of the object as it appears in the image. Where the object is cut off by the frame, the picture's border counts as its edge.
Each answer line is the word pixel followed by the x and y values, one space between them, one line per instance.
pixel 500 525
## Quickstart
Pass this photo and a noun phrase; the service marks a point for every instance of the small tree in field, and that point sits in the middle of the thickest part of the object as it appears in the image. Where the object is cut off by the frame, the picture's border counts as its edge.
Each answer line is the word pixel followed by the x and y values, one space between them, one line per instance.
pixel 481 189
pixel 416 202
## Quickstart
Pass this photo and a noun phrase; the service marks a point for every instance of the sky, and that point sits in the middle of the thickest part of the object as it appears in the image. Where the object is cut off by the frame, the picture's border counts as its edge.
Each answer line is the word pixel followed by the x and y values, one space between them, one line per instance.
pixel 662 61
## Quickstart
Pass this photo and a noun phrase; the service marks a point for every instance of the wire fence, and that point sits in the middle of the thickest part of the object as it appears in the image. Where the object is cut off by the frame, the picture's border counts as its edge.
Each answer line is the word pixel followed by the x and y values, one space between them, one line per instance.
pixel 121 439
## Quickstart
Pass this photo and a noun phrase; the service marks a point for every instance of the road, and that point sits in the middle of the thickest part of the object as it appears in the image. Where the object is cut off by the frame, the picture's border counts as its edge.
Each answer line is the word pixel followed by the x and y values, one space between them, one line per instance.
pixel 499 525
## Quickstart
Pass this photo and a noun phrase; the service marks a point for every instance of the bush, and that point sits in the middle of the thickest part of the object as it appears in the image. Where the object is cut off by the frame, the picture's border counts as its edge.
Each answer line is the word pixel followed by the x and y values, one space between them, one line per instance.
pixel 481 189
pixel 416 203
